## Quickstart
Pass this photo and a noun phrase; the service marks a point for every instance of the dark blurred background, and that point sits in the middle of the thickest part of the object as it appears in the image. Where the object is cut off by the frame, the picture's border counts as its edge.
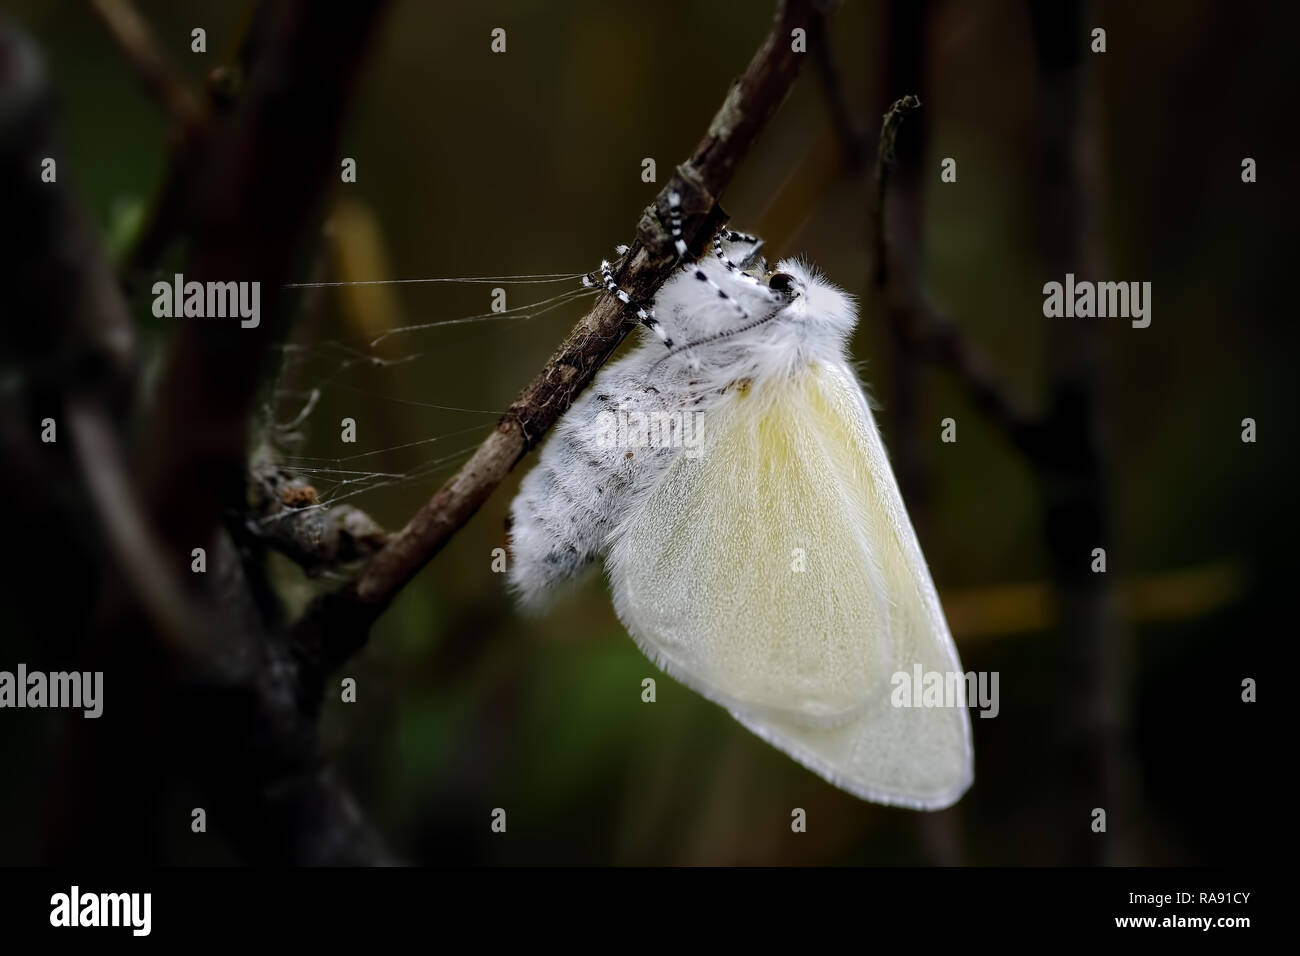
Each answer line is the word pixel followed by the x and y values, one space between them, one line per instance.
pixel 476 164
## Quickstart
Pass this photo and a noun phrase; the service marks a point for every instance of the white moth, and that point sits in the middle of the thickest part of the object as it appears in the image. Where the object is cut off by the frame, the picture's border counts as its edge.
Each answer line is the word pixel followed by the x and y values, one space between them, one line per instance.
pixel 756 544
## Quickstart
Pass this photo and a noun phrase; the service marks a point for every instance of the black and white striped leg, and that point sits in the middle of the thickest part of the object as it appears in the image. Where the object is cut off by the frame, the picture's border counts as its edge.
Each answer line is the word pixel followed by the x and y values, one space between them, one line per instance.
pixel 589 279
pixel 648 320
pixel 734 269
pixel 754 243
pixel 675 224
pixel 675 228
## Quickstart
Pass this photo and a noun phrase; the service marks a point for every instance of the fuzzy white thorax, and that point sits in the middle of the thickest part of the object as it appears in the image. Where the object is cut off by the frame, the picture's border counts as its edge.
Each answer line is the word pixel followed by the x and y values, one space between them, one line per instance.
pixel 782 333
pixel 570 505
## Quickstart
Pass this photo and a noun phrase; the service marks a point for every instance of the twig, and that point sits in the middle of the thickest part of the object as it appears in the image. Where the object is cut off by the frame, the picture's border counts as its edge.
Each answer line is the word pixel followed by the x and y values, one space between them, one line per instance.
pixel 152 581
pixel 884 167
pixel 336 625
pixel 924 331
pixel 171 207
pixel 156 71
pixel 286 516
pixel 853 144
pixel 943 340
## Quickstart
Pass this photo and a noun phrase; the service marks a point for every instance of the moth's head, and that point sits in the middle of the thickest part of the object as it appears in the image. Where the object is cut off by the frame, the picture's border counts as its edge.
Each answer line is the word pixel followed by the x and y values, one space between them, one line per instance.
pixel 733 312
pixel 814 300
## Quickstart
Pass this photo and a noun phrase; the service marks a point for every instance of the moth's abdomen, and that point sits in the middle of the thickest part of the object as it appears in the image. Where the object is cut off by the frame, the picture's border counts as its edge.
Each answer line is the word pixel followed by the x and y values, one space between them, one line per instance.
pixel 558 524
pixel 590 474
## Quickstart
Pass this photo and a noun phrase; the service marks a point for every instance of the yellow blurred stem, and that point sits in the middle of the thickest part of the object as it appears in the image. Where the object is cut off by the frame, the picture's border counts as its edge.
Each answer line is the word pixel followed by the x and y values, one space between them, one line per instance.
pixel 357 246
pixel 1023 608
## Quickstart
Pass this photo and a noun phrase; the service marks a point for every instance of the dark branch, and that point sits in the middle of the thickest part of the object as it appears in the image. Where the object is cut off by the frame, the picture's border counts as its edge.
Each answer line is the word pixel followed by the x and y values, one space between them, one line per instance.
pixel 248 741
pixel 285 515
pixel 261 195
pixel 68 322
pixel 1096 766
pixel 884 167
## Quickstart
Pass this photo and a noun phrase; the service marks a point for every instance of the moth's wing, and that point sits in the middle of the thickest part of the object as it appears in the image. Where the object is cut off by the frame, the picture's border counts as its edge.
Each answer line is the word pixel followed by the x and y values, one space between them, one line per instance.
pixel 918 757
pixel 744 573
pixel 705 576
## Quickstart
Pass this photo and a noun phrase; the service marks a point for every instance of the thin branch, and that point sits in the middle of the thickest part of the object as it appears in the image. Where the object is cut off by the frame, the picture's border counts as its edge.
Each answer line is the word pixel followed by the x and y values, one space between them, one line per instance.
pixel 151 580
pixel 943 340
pixel 318 537
pixel 884 167
pixel 156 72
pixel 171 208
pixel 894 283
pixel 853 142
pixel 337 624
pixel 923 330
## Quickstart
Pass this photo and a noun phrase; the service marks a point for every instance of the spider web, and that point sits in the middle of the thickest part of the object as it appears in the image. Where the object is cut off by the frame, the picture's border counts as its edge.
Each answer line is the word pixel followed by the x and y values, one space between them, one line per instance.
pixel 415 422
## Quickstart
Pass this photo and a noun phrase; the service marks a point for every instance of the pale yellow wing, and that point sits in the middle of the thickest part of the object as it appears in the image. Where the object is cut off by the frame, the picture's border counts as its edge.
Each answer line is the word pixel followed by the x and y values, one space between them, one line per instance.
pixel 777 574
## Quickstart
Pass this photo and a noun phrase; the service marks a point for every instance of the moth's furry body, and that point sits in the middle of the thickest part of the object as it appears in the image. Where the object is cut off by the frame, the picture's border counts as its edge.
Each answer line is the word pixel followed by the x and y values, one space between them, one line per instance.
pixel 570 505
pixel 699 550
